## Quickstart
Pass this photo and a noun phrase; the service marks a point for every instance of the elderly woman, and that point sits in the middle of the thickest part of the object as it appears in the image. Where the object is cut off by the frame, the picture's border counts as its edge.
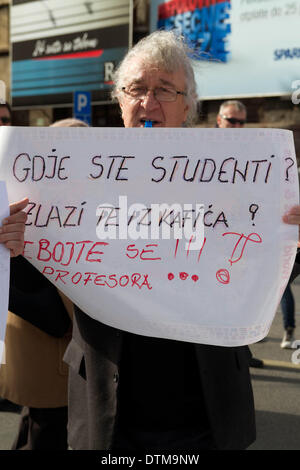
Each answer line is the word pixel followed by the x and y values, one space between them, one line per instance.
pixel 130 392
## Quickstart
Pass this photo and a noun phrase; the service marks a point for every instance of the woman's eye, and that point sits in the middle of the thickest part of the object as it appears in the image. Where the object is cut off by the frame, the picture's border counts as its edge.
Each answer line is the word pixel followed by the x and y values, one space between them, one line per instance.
pixel 137 89
pixel 165 91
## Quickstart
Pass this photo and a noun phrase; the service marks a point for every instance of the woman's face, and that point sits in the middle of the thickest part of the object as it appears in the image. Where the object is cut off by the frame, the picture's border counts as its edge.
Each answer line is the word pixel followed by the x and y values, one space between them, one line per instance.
pixel 162 114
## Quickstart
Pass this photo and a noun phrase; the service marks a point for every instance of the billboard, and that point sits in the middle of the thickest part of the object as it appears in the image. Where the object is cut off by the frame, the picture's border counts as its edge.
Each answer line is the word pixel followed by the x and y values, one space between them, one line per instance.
pixel 242 48
pixel 60 47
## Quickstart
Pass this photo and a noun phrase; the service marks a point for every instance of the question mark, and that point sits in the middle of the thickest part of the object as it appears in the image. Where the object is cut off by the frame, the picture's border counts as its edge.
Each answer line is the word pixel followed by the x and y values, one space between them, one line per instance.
pixel 287 170
pixel 253 209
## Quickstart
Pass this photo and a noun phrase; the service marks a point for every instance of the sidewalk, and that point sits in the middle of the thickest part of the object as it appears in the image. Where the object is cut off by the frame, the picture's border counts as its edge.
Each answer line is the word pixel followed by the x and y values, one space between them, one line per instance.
pixel 9 422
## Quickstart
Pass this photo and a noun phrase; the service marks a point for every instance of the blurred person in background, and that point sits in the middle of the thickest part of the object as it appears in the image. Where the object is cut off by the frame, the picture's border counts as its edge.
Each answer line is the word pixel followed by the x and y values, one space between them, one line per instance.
pixel 287 304
pixel 232 113
pixel 5 114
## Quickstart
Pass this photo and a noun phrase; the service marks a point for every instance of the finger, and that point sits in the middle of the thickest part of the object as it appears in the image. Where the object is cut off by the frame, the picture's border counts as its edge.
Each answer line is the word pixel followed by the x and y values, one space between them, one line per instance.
pixel 295 210
pixel 291 219
pixel 11 228
pixel 14 236
pixel 18 206
pixel 18 217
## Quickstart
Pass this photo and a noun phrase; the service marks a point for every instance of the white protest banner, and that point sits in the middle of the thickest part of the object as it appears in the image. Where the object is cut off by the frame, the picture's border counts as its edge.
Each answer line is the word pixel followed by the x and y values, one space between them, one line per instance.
pixel 4 273
pixel 115 218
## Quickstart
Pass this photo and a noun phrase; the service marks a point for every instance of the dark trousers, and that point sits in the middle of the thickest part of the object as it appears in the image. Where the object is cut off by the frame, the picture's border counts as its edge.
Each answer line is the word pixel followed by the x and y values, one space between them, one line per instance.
pixel 182 440
pixel 42 429
pixel 288 307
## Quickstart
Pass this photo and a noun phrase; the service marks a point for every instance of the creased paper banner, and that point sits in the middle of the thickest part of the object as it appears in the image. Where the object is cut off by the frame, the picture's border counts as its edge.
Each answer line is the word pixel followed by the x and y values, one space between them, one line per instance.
pixel 223 291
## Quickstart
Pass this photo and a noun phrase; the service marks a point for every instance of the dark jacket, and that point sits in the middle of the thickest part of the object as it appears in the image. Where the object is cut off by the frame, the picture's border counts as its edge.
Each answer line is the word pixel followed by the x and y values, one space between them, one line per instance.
pixel 296 267
pixel 94 357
